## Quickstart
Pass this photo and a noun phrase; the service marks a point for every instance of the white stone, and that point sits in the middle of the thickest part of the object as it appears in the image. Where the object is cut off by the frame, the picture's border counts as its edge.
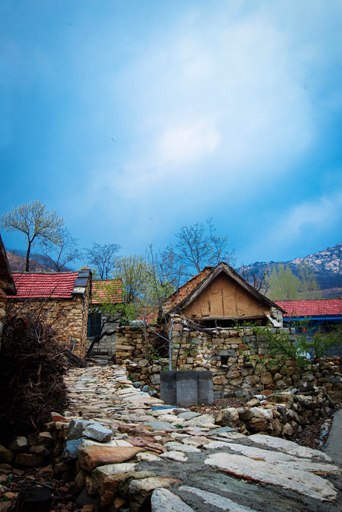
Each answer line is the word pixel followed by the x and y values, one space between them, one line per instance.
pixel 205 420
pixel 215 500
pixel 279 475
pixel 283 458
pixel 259 412
pixel 147 457
pixel 175 455
pixel 165 501
pixel 289 447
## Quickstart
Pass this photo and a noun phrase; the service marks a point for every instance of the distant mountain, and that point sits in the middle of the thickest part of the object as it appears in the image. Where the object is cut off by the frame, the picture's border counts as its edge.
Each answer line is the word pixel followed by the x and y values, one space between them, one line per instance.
pixel 17 263
pixel 38 262
pixel 326 264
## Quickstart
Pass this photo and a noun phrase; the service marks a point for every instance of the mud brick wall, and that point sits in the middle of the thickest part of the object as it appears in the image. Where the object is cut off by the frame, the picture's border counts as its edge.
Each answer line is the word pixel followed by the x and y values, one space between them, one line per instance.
pixel 67 317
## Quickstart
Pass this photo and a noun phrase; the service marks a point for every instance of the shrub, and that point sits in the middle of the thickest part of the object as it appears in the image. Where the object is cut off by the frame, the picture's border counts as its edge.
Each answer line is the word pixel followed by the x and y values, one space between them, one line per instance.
pixel 32 365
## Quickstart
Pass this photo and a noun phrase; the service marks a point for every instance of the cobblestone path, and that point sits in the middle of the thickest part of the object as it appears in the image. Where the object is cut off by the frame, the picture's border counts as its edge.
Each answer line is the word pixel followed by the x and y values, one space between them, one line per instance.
pixel 184 462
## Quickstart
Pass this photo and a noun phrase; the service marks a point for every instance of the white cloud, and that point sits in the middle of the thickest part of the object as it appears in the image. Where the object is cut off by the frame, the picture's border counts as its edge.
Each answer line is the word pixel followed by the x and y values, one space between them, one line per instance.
pixel 188 142
pixel 300 226
pixel 317 216
pixel 219 107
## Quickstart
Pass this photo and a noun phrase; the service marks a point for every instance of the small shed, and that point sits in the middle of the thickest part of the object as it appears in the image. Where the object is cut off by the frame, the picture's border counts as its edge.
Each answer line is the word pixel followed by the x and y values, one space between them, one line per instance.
pixel 219 297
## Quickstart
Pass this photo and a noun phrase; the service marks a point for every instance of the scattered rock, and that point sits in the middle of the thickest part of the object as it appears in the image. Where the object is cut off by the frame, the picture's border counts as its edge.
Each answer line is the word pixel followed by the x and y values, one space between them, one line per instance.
pixel 92 456
pixel 98 432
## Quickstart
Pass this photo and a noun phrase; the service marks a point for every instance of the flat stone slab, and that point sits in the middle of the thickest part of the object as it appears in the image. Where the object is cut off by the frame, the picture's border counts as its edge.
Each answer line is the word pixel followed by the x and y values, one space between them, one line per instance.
pixel 302 482
pixel 288 447
pixel 163 500
pixel 280 458
pixel 186 448
pixel 174 455
pixel 188 415
pixel 217 501
pixel 160 425
pixel 204 420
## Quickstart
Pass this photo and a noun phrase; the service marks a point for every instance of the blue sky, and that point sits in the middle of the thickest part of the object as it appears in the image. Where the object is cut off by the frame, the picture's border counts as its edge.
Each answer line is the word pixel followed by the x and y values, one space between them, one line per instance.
pixel 133 118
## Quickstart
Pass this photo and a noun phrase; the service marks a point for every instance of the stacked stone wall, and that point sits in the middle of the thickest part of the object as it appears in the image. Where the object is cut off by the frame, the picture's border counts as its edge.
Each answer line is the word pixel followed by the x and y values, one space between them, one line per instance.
pixel 238 359
pixel 68 318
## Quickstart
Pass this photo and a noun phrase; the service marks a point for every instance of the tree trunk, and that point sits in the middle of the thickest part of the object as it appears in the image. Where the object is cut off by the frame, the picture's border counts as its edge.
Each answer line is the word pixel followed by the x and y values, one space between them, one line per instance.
pixel 27 264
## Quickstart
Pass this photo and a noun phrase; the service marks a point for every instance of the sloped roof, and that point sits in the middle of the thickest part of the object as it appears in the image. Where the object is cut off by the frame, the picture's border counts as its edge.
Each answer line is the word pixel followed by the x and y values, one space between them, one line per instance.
pixel 194 287
pixel 52 285
pixel 5 271
pixel 314 307
pixel 107 291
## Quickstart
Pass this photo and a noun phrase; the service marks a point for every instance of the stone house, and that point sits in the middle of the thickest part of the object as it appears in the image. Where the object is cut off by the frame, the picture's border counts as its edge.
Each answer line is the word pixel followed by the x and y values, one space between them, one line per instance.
pixel 219 297
pixel 7 286
pixel 61 299
pixel 102 319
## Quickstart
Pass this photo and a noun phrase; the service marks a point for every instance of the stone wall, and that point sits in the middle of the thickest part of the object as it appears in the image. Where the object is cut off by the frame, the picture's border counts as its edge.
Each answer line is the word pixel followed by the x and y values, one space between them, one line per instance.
pixel 67 317
pixel 238 359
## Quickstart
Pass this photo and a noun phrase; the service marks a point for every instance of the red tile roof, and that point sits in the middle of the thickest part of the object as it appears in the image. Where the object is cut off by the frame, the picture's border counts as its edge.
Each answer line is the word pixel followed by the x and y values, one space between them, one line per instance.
pixel 107 291
pixel 318 307
pixel 54 285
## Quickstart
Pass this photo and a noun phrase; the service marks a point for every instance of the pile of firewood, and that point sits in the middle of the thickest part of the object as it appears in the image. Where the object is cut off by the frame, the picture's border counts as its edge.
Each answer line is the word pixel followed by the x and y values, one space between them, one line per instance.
pixel 32 365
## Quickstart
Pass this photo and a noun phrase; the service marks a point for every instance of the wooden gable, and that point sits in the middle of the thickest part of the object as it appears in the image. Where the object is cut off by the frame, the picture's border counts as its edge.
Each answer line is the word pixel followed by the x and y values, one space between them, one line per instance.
pixel 220 293
pixel 223 298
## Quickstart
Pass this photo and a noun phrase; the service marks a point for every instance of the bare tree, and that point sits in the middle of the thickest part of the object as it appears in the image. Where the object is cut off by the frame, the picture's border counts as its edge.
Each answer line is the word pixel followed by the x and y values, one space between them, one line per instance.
pixel 59 254
pixel 260 280
pixel 102 258
pixel 36 223
pixel 196 246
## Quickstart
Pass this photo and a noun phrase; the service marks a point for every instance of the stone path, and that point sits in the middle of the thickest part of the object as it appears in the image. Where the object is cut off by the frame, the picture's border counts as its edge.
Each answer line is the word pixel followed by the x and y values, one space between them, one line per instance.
pixel 180 461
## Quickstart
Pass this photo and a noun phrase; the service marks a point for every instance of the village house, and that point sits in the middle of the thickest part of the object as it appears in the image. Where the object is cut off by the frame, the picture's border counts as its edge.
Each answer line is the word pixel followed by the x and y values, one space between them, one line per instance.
pixel 212 324
pixel 61 299
pixel 7 286
pixel 219 297
pixel 103 317
pixel 316 314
